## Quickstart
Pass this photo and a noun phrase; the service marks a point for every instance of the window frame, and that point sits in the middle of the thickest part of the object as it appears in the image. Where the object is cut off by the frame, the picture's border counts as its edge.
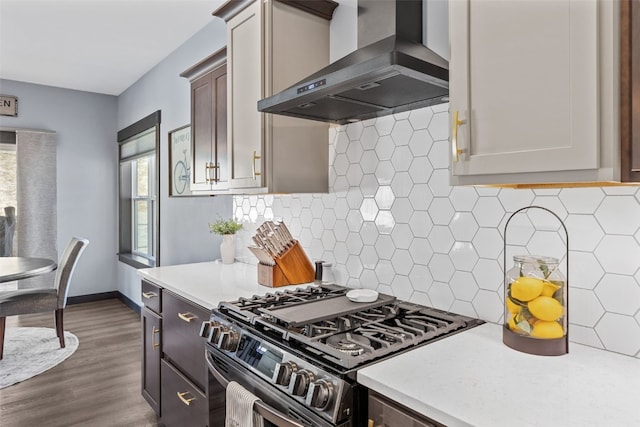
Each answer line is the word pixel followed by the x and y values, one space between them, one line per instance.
pixel 126 252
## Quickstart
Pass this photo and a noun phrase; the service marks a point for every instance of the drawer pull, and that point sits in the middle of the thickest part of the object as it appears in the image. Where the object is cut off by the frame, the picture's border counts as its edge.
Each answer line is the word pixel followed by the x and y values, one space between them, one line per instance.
pixel 149 295
pixel 154 344
pixel 187 401
pixel 187 317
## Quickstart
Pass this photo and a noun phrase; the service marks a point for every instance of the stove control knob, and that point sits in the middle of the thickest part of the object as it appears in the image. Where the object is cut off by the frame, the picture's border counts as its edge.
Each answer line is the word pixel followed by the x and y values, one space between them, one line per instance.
pixel 300 381
pixel 204 329
pixel 282 372
pixel 214 332
pixel 228 340
pixel 320 394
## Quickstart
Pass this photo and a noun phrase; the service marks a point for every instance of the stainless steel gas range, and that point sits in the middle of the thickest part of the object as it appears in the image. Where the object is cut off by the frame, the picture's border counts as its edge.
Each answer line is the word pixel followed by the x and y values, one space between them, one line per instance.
pixel 299 350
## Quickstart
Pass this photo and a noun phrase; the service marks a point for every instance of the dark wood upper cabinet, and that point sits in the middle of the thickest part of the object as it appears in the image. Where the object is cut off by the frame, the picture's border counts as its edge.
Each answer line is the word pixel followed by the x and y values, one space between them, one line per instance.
pixel 630 90
pixel 209 122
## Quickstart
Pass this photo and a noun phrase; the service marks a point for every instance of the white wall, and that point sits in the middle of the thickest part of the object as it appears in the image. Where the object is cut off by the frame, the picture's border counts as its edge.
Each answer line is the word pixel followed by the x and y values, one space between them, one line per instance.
pixel 184 232
pixel 85 124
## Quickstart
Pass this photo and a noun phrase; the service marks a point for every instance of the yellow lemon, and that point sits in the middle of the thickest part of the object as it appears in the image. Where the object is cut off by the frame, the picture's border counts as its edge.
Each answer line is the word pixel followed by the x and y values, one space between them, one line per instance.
pixel 549 289
pixel 512 306
pixel 526 288
pixel 544 329
pixel 545 308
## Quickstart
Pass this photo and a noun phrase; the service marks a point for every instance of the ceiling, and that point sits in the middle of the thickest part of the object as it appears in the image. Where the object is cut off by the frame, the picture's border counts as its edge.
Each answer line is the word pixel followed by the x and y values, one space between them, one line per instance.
pixel 101 46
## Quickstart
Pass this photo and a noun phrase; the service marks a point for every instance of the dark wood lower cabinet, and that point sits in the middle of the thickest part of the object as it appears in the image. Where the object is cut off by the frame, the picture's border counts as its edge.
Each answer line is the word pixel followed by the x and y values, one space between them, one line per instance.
pixel 183 403
pixel 175 380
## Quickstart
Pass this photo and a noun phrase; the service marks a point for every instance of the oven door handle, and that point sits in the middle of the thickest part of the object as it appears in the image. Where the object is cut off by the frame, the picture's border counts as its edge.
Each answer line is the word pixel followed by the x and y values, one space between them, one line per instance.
pixel 266 411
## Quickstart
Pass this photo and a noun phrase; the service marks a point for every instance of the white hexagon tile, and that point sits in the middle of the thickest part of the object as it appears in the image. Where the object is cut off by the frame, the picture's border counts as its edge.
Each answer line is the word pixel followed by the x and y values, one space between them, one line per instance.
pixel 392 222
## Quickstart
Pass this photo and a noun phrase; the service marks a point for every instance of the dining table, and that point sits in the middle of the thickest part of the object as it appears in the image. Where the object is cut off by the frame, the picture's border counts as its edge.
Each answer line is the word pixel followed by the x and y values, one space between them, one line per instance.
pixel 18 268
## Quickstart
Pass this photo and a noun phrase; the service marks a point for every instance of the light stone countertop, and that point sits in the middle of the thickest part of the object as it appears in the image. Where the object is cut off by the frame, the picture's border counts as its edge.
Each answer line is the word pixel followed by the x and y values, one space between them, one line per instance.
pixel 473 379
pixel 208 283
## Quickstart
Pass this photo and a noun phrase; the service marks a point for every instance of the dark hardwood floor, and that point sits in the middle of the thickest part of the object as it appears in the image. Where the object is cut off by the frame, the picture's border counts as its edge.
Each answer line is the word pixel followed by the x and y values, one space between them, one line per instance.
pixel 99 385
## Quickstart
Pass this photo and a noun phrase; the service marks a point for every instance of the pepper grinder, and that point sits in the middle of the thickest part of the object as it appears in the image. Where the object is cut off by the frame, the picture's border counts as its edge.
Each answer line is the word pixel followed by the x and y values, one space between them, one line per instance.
pixel 318 277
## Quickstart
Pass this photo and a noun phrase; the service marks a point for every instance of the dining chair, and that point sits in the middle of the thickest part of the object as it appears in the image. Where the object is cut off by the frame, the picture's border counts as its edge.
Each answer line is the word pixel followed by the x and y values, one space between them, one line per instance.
pixel 27 301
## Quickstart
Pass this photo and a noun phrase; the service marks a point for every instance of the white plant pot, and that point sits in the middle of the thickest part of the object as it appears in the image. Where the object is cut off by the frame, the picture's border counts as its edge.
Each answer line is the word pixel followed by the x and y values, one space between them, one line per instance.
pixel 228 248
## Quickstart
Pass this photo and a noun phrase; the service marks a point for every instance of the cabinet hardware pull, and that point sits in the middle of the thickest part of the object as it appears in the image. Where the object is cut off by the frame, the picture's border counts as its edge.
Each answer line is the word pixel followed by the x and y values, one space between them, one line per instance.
pixel 207 166
pixel 185 401
pixel 215 168
pixel 187 317
pixel 154 344
pixel 149 295
pixel 455 151
pixel 255 157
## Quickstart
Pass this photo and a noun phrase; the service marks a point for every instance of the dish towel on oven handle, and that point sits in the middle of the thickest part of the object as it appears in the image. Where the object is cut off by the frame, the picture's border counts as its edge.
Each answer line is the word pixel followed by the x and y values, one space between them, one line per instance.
pixel 240 411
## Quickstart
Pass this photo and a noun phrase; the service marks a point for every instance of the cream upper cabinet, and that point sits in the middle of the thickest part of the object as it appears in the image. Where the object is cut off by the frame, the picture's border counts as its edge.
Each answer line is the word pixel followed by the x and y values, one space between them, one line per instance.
pixel 271 46
pixel 533 87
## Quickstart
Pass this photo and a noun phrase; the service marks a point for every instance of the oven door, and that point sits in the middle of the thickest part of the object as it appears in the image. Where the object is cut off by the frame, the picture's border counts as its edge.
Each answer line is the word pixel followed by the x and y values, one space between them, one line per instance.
pixel 276 407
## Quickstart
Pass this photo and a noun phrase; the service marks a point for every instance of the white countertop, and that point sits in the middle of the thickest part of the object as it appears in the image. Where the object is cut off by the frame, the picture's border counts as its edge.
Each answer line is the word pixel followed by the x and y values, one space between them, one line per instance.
pixel 208 283
pixel 473 379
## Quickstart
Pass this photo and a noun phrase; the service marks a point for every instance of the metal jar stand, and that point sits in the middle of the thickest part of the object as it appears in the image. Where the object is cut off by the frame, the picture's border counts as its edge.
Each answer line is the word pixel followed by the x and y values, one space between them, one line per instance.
pixel 532 345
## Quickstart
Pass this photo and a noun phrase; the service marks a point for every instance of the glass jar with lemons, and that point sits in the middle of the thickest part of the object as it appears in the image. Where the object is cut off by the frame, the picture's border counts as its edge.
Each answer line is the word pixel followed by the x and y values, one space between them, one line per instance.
pixel 536 306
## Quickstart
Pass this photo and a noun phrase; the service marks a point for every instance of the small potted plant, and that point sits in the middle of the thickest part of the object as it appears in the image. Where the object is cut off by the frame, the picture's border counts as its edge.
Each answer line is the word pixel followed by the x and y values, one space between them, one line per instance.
pixel 227 228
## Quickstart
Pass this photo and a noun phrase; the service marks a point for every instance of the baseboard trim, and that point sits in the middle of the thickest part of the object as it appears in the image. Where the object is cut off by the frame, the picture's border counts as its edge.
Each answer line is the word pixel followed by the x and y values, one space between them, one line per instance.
pixel 103 296
pixel 129 303
pixel 92 297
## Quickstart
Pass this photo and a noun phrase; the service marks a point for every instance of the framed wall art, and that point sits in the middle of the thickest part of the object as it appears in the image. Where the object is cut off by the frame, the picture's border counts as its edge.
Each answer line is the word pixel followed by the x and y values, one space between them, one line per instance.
pixel 180 161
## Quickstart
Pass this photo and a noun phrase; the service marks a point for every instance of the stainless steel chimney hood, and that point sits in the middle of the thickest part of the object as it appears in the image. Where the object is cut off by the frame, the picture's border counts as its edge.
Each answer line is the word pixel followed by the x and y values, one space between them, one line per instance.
pixel 394 73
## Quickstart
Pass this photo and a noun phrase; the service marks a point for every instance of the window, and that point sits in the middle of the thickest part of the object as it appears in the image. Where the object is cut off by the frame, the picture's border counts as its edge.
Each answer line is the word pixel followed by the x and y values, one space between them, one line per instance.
pixel 138 202
pixel 143 206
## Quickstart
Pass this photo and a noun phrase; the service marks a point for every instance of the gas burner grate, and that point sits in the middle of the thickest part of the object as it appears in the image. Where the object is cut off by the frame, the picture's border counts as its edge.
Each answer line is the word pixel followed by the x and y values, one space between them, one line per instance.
pixel 322 324
pixel 353 345
pixel 386 336
pixel 286 297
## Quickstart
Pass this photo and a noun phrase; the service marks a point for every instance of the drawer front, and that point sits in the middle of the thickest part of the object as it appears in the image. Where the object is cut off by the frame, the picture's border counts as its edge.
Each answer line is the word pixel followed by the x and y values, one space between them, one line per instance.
pixel 181 341
pixel 152 296
pixel 383 412
pixel 183 404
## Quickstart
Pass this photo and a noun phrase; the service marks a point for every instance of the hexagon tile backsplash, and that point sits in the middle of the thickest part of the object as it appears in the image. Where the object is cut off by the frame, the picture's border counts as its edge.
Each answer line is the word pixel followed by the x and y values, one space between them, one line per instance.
pixel 391 222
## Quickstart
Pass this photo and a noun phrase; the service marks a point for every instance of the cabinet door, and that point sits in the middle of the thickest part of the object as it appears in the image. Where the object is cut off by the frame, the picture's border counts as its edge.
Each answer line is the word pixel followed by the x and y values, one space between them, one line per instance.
pixel 181 341
pixel 219 79
pixel 151 354
pixel 524 81
pixel 202 113
pixel 245 88
pixel 209 131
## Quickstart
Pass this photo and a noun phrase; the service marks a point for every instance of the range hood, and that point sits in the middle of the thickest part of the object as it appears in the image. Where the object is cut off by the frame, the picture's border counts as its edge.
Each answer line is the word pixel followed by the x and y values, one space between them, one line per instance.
pixel 390 72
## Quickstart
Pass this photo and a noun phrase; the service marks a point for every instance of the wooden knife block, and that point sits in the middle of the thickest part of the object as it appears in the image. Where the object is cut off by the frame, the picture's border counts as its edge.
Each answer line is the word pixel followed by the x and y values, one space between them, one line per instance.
pixel 292 268
pixel 271 276
pixel 295 265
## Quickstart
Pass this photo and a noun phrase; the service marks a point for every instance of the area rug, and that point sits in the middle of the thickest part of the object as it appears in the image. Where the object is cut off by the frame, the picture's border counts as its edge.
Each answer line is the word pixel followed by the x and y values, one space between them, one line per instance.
pixel 32 351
